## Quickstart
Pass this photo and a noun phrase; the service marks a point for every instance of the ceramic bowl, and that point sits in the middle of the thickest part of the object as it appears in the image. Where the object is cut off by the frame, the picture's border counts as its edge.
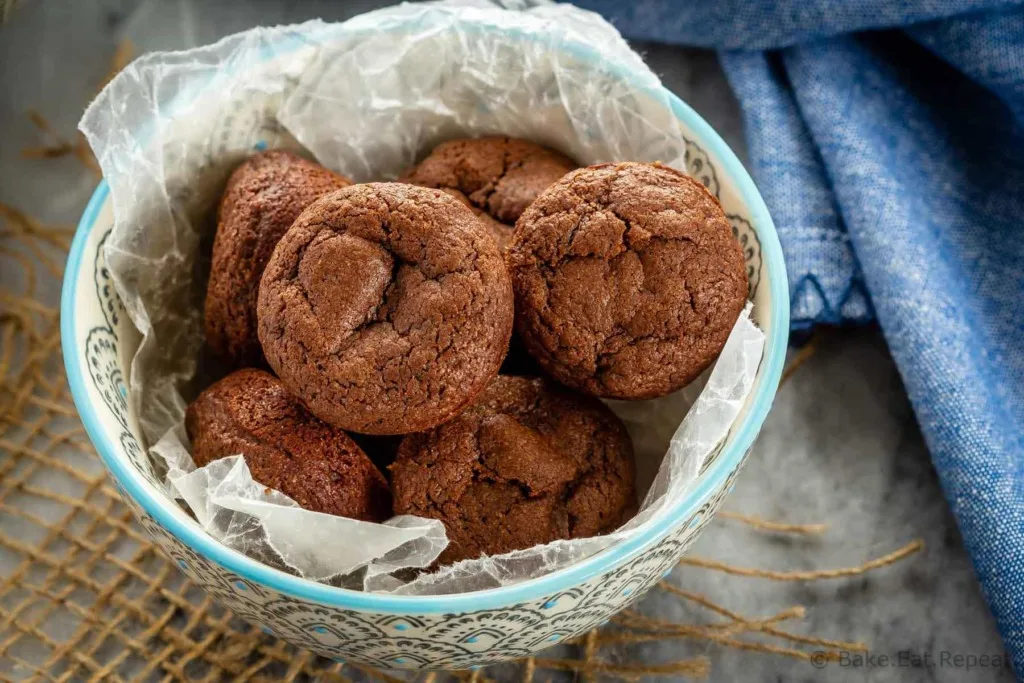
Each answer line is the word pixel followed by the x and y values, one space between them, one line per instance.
pixel 419 632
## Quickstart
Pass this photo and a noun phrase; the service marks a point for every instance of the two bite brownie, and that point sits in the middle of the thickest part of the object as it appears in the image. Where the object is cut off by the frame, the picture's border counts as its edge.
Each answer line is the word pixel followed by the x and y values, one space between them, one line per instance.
pixel 264 196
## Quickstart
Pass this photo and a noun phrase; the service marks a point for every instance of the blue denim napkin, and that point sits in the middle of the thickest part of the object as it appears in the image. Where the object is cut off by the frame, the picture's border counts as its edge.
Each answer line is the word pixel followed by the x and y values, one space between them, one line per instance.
pixel 888 141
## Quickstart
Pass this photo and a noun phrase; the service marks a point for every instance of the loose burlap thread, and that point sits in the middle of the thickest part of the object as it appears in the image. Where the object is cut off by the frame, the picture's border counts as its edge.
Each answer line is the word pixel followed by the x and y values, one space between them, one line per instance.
pixel 85 596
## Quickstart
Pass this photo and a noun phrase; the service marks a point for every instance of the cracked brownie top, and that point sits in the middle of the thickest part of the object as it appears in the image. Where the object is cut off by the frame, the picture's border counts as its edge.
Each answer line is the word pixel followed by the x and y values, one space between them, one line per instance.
pixel 385 308
pixel 496 176
pixel 627 278
pixel 528 463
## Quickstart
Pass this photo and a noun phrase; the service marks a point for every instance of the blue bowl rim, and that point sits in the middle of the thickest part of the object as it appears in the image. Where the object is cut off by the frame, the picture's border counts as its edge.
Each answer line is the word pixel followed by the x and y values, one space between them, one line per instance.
pixel 549 584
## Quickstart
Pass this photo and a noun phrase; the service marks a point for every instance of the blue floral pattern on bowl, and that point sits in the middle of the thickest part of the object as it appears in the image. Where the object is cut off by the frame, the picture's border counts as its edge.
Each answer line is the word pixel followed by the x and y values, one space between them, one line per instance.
pixel 437 641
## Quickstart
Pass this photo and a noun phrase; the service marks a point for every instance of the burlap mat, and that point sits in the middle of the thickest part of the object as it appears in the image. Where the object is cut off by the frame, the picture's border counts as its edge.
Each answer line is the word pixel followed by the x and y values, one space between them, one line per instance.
pixel 85 596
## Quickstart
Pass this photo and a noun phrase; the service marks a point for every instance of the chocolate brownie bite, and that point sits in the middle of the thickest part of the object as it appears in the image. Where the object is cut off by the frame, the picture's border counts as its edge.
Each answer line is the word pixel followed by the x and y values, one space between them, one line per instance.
pixel 264 195
pixel 628 280
pixel 316 465
pixel 530 462
pixel 385 308
pixel 498 176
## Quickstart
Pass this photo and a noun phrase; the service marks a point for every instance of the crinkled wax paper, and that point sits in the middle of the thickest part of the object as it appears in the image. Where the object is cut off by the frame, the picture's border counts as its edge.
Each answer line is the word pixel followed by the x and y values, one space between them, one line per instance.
pixel 366 97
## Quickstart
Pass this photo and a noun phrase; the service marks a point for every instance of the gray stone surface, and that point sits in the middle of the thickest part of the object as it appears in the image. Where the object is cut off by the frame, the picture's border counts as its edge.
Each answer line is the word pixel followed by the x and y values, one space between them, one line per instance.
pixel 841 445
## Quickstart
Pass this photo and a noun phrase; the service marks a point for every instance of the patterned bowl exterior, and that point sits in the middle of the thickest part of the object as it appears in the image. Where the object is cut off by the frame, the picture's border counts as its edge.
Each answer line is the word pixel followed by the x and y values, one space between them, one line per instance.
pixel 456 640
pixel 99 341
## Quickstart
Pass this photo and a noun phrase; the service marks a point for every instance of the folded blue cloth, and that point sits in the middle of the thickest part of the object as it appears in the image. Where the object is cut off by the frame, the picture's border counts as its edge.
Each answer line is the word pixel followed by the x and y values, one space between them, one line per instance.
pixel 888 141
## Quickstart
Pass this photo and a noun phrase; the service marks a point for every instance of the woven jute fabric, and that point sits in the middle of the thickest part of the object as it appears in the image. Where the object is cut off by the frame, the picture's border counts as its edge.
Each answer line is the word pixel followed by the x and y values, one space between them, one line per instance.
pixel 85 596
